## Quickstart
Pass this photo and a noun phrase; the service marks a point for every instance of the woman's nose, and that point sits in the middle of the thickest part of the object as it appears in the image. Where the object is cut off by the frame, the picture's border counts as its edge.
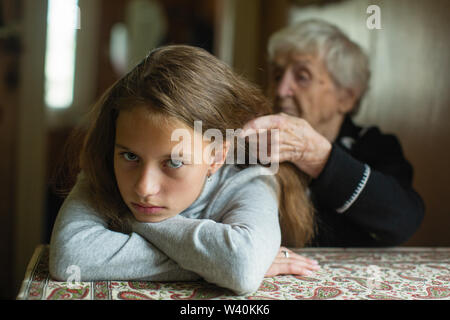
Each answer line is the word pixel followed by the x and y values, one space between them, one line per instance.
pixel 148 184
pixel 284 88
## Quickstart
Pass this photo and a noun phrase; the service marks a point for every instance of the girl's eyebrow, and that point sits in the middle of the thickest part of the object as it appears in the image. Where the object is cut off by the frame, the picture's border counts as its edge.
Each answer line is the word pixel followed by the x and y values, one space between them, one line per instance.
pixel 125 148
pixel 122 147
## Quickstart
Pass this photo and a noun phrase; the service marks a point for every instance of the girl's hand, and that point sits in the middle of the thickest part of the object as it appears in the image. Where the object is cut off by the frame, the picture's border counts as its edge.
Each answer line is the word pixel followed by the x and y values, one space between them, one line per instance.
pixel 292 264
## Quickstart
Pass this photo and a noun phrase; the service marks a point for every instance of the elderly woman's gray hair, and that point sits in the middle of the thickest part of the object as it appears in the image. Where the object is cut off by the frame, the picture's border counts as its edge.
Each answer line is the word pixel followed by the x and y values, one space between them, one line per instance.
pixel 346 62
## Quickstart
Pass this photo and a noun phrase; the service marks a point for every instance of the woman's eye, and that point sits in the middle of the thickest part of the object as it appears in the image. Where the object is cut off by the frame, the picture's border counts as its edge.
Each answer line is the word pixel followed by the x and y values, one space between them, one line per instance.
pixel 277 74
pixel 302 76
pixel 129 156
pixel 175 164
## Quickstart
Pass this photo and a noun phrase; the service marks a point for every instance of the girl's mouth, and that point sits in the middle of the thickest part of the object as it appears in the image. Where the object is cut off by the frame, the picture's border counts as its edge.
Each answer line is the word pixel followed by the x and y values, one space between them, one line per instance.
pixel 147 209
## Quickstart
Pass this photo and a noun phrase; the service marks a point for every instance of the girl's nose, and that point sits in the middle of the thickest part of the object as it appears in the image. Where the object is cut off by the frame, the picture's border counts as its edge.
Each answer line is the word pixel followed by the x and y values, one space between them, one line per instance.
pixel 284 88
pixel 148 184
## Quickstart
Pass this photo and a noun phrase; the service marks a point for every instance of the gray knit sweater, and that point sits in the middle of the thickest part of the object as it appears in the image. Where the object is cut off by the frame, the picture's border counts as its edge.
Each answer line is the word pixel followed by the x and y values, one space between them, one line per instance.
pixel 229 236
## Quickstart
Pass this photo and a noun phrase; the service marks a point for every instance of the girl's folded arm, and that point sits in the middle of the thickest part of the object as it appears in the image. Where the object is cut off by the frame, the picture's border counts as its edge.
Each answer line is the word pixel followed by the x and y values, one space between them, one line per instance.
pixel 234 253
pixel 80 237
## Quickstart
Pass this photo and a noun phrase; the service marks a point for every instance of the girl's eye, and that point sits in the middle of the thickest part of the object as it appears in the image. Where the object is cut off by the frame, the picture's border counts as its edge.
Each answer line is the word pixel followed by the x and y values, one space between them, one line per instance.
pixel 175 164
pixel 129 156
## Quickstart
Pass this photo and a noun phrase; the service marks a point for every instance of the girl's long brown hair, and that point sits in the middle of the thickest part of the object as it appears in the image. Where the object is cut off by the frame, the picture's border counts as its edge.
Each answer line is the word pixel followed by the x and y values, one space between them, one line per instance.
pixel 188 84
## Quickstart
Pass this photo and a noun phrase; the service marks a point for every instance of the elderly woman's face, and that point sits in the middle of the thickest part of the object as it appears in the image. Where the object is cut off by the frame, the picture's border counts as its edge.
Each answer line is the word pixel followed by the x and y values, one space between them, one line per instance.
pixel 301 86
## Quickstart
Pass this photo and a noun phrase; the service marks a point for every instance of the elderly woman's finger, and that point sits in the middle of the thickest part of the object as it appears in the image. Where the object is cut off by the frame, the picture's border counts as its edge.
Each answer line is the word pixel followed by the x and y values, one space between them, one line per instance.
pixel 272 121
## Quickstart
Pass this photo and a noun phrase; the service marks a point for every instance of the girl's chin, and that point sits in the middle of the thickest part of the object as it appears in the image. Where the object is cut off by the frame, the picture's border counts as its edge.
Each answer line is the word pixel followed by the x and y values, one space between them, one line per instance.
pixel 151 218
pixel 140 218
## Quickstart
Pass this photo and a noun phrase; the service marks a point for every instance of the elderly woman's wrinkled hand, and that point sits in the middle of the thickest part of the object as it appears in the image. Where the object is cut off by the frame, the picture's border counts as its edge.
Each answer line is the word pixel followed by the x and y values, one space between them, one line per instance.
pixel 297 142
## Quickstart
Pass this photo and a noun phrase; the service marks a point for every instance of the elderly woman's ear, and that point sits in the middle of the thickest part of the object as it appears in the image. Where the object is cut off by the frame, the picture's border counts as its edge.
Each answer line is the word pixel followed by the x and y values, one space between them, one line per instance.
pixel 347 99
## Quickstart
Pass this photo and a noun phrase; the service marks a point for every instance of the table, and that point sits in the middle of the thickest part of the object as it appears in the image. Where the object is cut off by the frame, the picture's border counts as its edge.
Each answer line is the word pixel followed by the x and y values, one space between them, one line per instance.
pixel 346 274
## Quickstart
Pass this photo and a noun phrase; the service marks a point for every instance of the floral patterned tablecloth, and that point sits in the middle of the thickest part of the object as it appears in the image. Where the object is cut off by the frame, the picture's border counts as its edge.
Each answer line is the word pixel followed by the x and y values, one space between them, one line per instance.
pixel 345 274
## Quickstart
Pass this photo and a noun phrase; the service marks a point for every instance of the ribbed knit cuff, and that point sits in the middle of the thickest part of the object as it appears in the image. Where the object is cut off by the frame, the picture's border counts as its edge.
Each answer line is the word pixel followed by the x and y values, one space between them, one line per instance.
pixel 341 181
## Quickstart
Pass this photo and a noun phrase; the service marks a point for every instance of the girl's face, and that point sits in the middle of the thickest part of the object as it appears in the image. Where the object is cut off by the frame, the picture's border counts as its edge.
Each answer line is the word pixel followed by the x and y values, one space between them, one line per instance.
pixel 153 186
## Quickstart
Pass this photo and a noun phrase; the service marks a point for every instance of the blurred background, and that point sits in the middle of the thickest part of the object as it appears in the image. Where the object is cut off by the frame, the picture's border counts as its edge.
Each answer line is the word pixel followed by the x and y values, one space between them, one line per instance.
pixel 58 56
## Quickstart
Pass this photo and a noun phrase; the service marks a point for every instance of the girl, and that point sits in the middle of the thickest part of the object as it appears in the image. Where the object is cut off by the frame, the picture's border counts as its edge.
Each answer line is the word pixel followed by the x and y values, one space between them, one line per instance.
pixel 135 212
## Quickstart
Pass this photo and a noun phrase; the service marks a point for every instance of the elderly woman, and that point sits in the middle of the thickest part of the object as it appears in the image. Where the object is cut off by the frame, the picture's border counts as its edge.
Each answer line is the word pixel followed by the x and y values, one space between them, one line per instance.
pixel 361 184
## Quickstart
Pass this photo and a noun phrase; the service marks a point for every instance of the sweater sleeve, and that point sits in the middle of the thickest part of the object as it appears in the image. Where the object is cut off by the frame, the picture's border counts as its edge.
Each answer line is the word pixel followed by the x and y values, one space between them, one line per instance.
pixel 372 188
pixel 233 252
pixel 80 237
